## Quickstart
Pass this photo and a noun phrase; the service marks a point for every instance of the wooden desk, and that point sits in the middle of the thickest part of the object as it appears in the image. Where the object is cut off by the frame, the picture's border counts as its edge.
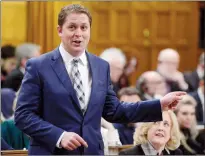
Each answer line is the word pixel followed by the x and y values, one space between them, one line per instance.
pixel 15 152
pixel 114 150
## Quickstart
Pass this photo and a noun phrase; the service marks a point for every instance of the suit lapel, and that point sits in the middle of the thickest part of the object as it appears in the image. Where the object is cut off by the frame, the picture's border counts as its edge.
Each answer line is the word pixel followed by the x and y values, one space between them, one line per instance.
pixel 60 70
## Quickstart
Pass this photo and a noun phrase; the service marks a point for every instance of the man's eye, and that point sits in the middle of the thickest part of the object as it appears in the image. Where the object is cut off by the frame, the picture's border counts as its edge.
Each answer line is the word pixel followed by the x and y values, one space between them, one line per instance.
pixel 71 27
pixel 83 27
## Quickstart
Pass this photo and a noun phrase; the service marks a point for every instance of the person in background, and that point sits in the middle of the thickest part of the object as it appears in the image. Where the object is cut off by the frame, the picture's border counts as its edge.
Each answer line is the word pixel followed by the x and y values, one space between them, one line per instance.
pixel 65 93
pixel 192 78
pixel 198 95
pixel 126 131
pixel 4 145
pixel 110 135
pixel 151 85
pixel 186 117
pixel 156 138
pixel 117 61
pixel 23 53
pixel 168 64
pixel 8 61
pixel 128 70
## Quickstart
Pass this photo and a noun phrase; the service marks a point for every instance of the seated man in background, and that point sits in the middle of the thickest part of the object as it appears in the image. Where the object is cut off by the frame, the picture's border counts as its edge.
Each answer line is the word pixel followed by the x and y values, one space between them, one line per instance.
pixel 193 78
pixel 168 64
pixel 23 52
pixel 126 131
pixel 8 61
pixel 151 85
pixel 156 138
pixel 117 61
pixel 198 95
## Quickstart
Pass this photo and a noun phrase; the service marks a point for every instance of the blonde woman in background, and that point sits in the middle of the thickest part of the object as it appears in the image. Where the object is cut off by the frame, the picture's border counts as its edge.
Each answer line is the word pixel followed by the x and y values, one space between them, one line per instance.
pixel 186 117
pixel 157 138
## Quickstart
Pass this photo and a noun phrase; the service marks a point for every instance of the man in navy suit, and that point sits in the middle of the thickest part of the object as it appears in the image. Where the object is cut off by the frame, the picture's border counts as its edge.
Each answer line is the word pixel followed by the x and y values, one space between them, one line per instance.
pixel 65 93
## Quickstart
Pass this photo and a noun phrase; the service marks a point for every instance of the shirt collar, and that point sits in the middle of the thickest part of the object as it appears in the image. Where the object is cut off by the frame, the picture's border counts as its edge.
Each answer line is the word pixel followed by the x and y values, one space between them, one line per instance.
pixel 149 149
pixel 68 58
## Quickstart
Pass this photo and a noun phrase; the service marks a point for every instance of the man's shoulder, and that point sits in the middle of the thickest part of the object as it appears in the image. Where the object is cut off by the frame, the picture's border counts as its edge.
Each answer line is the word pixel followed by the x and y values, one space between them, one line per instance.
pixel 190 74
pixel 44 57
pixel 97 58
pixel 16 71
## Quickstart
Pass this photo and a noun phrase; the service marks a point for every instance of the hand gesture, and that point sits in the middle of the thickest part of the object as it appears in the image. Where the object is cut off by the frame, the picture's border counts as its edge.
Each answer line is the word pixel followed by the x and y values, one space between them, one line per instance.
pixel 170 100
pixel 71 141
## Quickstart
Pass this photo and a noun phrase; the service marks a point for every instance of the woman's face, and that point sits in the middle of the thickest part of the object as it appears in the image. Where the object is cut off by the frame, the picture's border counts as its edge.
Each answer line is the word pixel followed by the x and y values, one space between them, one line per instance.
pixel 9 64
pixel 186 116
pixel 159 133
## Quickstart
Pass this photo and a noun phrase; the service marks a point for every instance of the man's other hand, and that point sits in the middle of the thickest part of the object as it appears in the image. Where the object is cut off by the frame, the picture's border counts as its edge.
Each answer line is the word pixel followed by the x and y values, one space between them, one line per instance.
pixel 71 141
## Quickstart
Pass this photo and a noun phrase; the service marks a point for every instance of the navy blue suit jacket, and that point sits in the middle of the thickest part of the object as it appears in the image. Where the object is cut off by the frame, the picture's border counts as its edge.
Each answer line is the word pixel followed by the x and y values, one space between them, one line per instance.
pixel 47 105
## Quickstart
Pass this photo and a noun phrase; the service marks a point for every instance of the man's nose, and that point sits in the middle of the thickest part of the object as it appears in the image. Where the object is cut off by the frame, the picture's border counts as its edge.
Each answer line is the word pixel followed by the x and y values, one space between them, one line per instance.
pixel 78 32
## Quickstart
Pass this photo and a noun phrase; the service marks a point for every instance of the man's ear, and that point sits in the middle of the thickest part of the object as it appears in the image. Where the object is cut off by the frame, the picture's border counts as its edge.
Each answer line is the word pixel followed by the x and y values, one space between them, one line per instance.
pixel 59 29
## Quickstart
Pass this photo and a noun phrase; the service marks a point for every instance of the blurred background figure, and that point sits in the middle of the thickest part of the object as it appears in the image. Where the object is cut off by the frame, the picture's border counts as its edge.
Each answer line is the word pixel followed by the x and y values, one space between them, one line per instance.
pixel 198 95
pixel 151 85
pixel 117 61
pixel 23 53
pixel 186 117
pixel 193 78
pixel 8 61
pixel 7 98
pixel 110 135
pixel 156 138
pixel 168 64
pixel 126 131
pixel 4 145
pixel 13 136
pixel 128 70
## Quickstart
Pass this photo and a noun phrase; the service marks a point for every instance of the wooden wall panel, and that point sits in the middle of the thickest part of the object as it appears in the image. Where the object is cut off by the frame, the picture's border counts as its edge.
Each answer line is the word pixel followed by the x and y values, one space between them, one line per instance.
pixel 14 22
pixel 141 29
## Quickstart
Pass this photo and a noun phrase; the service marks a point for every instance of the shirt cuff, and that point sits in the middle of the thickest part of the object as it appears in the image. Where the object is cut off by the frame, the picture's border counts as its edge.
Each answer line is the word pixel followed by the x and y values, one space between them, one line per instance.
pixel 59 140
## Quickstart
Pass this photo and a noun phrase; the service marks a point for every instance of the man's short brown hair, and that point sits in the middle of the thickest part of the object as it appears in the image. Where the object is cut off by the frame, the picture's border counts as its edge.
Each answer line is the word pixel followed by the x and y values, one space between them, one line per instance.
pixel 129 91
pixel 73 8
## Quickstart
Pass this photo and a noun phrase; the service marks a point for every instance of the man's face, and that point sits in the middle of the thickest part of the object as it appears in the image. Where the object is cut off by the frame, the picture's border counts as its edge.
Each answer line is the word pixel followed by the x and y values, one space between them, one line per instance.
pixel 186 116
pixel 75 33
pixel 154 82
pixel 130 98
pixel 169 66
pixel 116 70
pixel 160 133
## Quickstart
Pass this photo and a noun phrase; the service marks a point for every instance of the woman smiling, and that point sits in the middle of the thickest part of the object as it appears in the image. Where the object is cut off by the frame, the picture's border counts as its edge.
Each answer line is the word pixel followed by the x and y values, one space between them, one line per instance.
pixel 157 138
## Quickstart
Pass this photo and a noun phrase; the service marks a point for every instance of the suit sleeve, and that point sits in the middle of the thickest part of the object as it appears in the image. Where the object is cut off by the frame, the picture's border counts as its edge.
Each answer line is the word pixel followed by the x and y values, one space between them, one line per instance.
pixel 123 112
pixel 28 116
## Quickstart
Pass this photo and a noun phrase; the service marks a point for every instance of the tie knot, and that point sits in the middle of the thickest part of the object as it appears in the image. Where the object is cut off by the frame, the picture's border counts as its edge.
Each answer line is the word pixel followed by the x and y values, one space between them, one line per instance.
pixel 76 60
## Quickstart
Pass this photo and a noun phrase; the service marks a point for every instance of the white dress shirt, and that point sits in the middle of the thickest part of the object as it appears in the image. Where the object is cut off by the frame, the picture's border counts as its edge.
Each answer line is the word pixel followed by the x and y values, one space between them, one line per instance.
pixel 83 68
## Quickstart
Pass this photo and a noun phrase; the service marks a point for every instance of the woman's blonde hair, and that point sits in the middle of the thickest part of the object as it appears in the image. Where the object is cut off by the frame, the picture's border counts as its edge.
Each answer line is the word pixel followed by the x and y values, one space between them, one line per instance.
pixel 140 135
pixel 188 101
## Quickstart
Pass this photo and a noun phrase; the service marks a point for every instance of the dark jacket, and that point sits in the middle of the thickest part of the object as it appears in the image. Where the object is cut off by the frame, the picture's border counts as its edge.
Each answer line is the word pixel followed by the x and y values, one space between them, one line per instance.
pixel 13 80
pixel 199 107
pixel 192 79
pixel 195 146
pixel 137 150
